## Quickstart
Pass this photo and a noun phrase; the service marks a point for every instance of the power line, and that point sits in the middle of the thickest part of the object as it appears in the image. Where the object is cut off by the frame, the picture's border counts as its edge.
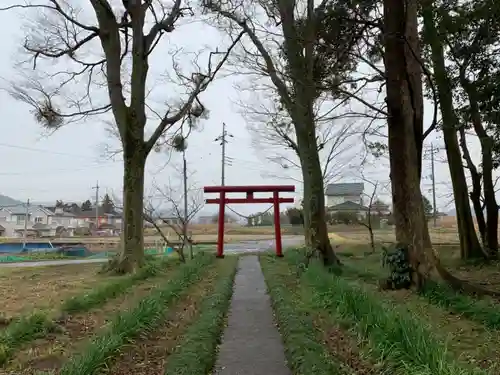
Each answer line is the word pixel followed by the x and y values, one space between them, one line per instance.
pixel 33 149
pixel 66 170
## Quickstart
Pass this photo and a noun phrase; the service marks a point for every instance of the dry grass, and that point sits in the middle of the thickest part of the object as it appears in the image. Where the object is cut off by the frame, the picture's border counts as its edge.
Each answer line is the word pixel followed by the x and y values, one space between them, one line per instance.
pixel 356 234
pixel 44 288
pixel 50 352
pixel 229 229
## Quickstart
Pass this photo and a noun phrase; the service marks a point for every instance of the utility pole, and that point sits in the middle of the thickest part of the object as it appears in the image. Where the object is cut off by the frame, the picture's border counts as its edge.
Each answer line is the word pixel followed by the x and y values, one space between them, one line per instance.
pixel 223 140
pixel 96 187
pixel 26 218
pixel 186 214
pixel 433 187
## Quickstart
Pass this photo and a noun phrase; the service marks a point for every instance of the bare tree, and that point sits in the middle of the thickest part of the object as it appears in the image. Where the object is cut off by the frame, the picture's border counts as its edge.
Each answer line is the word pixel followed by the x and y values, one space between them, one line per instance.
pixel 368 223
pixel 275 139
pixel 284 48
pixel 78 52
pixel 165 211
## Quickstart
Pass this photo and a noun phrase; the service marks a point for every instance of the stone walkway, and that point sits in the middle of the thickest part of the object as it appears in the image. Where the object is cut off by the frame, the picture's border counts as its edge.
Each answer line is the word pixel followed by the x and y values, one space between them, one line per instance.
pixel 251 343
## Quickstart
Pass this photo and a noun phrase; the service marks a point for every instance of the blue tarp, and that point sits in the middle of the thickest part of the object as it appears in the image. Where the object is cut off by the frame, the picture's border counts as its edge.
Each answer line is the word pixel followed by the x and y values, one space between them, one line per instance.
pixel 17 247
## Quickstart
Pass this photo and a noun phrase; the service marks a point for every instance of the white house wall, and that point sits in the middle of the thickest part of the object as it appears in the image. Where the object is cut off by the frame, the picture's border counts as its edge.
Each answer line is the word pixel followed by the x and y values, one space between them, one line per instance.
pixel 65 221
pixel 335 200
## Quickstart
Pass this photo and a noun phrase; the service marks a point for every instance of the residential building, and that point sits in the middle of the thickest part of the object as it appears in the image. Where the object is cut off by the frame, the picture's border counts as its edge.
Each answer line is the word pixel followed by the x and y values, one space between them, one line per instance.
pixel 380 208
pixel 346 198
pixel 14 219
pixel 349 207
pixel 86 218
pixel 344 192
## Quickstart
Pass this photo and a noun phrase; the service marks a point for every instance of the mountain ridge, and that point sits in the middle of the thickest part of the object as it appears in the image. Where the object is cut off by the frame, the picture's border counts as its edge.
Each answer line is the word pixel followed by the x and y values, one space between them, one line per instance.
pixel 8 201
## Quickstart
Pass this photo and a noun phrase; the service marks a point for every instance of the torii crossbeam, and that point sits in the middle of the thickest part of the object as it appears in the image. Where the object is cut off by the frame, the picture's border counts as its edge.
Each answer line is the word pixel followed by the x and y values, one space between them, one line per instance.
pixel 249 190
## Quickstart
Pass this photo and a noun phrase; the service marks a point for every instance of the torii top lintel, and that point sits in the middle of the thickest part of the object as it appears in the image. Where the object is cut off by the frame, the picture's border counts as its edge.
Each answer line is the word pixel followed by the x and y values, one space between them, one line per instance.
pixel 250 189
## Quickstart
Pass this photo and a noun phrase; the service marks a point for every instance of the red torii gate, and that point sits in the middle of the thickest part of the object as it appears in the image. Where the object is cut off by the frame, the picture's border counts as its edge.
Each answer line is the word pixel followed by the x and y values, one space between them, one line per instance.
pixel 249 190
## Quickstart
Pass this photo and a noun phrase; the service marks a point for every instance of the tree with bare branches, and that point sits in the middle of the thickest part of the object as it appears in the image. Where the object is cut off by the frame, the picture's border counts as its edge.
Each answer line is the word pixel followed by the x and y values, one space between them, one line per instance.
pixel 165 211
pixel 285 41
pixel 77 51
pixel 336 132
pixel 368 223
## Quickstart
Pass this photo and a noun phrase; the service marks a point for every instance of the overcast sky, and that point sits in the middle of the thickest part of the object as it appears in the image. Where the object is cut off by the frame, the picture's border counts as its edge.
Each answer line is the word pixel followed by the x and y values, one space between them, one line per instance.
pixel 67 164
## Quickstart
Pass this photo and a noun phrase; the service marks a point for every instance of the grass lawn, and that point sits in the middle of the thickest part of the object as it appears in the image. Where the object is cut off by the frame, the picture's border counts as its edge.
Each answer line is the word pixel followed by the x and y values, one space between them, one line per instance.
pixel 343 324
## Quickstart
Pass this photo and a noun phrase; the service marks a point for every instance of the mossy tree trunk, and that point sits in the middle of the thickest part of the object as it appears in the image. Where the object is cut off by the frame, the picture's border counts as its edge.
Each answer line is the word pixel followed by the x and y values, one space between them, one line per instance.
pixel 405 130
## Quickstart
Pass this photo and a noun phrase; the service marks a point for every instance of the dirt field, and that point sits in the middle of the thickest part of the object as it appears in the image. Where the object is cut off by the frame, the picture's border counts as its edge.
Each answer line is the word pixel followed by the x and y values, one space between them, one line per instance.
pixel 125 327
pixel 44 288
pixel 361 235
pixel 235 233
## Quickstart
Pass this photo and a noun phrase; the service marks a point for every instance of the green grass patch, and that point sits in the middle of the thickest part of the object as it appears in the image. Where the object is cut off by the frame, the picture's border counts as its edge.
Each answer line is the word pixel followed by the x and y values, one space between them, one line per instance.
pixel 399 339
pixel 146 316
pixel 197 353
pixel 34 257
pixel 111 290
pixel 479 310
pixel 306 354
pixel 482 311
pixel 22 330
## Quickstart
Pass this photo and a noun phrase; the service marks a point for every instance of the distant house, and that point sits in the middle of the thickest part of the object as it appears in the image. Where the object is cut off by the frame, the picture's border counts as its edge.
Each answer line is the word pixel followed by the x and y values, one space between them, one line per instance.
pixel 349 207
pixel 344 192
pixel 63 218
pixel 15 219
pixel 380 208
pixel 85 218
pixel 205 219
pixel 44 230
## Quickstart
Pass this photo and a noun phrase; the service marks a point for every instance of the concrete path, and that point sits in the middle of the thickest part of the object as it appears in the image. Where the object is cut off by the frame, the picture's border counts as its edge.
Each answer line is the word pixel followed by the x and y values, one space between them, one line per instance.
pixel 230 248
pixel 251 344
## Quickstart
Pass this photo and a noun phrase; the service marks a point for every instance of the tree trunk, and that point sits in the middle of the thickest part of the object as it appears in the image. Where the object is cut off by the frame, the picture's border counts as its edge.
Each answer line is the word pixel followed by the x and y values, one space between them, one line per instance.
pixel 316 230
pixel 404 93
pixel 475 194
pixel 132 249
pixel 469 242
pixel 490 202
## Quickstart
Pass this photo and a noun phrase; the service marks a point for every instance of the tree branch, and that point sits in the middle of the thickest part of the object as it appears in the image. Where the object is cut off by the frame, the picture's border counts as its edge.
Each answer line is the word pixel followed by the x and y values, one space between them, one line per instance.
pixel 200 82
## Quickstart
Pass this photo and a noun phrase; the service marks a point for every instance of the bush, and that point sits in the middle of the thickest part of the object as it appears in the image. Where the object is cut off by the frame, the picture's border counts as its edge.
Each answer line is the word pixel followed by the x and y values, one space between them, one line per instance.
pixel 398 262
